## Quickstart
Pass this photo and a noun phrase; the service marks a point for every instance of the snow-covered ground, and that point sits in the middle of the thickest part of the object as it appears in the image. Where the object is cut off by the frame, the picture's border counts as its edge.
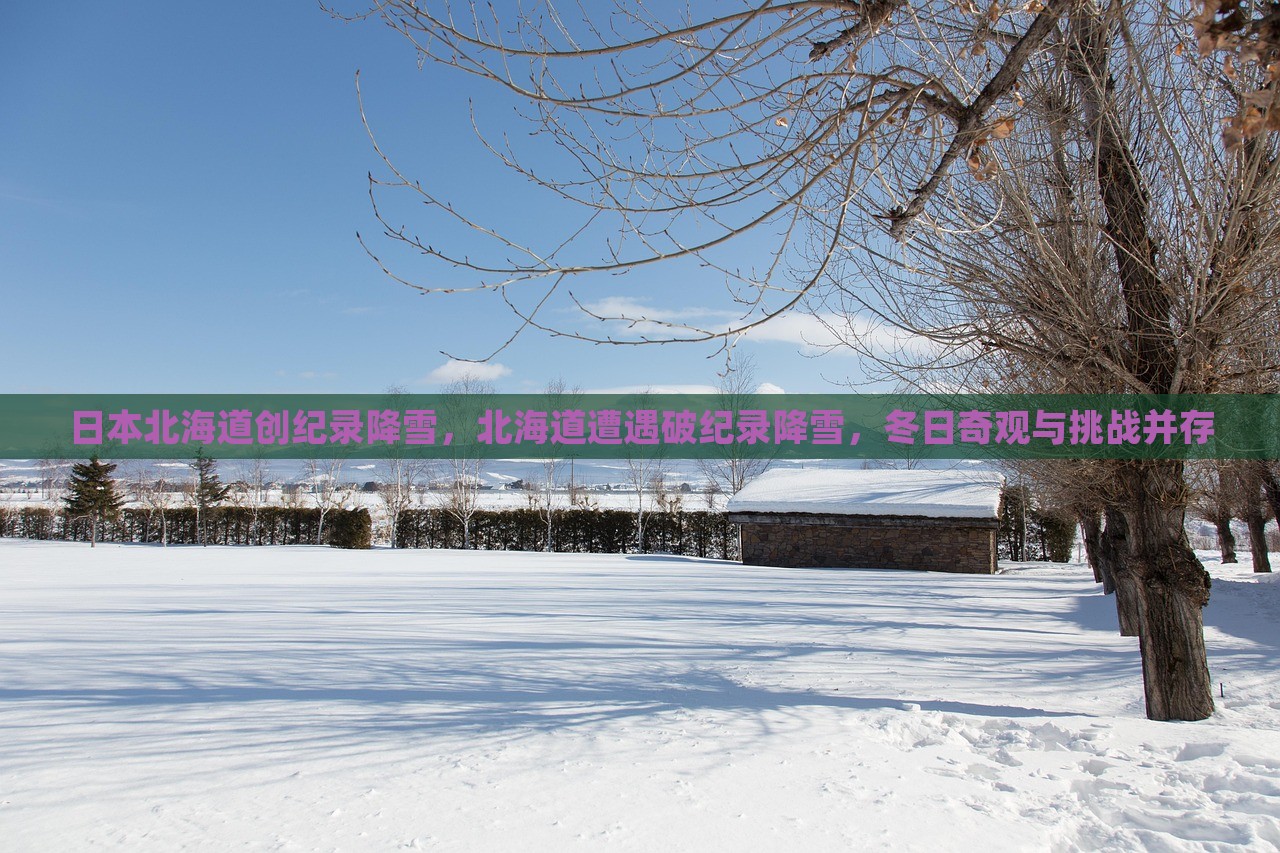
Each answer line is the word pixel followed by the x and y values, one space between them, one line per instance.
pixel 309 699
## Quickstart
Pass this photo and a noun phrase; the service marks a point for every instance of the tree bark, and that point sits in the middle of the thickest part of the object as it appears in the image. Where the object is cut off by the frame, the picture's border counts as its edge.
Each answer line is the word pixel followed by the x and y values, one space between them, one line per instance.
pixel 1174 590
pixel 1091 526
pixel 1226 539
pixel 1257 522
pixel 1270 488
pixel 1115 546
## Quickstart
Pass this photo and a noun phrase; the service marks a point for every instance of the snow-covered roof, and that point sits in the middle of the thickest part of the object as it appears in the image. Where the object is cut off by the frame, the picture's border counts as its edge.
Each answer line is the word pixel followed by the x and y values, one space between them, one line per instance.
pixel 931 494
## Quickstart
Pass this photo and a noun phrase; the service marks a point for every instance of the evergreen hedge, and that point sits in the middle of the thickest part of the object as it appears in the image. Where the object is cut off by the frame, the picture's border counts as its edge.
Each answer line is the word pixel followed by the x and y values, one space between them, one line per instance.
pixel 599 531
pixel 608 531
pixel 224 525
pixel 352 529
pixel 1044 534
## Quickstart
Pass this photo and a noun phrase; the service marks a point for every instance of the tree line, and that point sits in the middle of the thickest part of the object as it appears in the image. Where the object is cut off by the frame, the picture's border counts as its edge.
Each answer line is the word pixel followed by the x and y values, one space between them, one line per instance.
pixel 691 533
pixel 94 511
pixel 345 528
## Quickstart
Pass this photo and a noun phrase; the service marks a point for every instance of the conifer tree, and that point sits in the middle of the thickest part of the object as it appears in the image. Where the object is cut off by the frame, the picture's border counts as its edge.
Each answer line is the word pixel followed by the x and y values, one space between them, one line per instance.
pixel 93 494
pixel 209 491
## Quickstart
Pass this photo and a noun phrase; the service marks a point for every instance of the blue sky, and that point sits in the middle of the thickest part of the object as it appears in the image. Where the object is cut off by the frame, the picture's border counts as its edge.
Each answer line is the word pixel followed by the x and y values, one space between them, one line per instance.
pixel 180 189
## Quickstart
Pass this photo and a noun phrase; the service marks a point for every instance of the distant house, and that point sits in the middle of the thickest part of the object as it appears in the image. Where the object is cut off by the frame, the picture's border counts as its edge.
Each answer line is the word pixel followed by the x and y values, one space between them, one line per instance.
pixel 942 521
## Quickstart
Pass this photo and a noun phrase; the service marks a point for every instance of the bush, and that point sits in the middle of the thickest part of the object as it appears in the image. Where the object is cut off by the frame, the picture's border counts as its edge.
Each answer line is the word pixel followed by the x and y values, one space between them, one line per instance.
pixel 40 523
pixel 599 531
pixel 1058 533
pixel 1037 533
pixel 351 529
pixel 610 531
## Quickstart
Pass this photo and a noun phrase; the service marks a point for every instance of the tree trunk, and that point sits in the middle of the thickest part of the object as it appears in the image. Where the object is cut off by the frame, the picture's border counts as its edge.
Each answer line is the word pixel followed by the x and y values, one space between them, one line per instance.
pixel 93 532
pixel 1129 603
pixel 1125 583
pixel 1174 586
pixel 1017 529
pixel 1226 539
pixel 1115 543
pixel 1174 590
pixel 1091 526
pixel 1270 487
pixel 1257 522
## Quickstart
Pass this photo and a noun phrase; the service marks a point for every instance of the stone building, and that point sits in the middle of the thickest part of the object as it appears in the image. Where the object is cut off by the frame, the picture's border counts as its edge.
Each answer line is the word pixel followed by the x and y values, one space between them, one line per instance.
pixel 942 521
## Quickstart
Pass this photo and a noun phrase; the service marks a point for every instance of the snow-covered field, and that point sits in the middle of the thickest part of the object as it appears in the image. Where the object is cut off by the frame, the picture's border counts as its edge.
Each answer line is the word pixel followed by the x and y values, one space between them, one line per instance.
pixel 308 699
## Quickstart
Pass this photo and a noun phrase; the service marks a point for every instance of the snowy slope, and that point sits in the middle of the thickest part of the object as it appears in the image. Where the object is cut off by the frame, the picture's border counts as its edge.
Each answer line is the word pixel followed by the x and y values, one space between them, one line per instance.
pixel 308 699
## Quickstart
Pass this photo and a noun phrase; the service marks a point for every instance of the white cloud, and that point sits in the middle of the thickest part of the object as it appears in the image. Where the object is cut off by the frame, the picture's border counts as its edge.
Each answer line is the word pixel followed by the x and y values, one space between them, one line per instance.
pixel 833 332
pixel 806 330
pixel 811 333
pixel 624 306
pixel 614 307
pixel 454 371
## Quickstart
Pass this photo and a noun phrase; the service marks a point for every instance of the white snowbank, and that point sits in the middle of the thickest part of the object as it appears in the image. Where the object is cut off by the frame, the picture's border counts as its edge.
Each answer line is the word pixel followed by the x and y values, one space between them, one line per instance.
pixel 310 699
pixel 931 494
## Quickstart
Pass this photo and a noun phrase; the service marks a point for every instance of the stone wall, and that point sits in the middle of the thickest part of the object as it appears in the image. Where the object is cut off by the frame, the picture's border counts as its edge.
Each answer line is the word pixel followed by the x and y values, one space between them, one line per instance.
pixel 964 545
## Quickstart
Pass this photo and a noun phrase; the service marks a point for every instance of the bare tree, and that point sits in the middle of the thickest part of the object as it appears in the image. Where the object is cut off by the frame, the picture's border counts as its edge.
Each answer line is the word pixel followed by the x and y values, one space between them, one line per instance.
pixel 399 473
pixel 1045 185
pixel 157 497
pixel 53 466
pixel 252 491
pixel 578 496
pixel 1212 500
pixel 140 479
pixel 559 397
pixel 398 476
pixel 293 495
pixel 134 476
pixel 646 478
pixel 328 492
pixel 735 465
pixel 459 493
pixel 1251 507
pixel 1123 249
